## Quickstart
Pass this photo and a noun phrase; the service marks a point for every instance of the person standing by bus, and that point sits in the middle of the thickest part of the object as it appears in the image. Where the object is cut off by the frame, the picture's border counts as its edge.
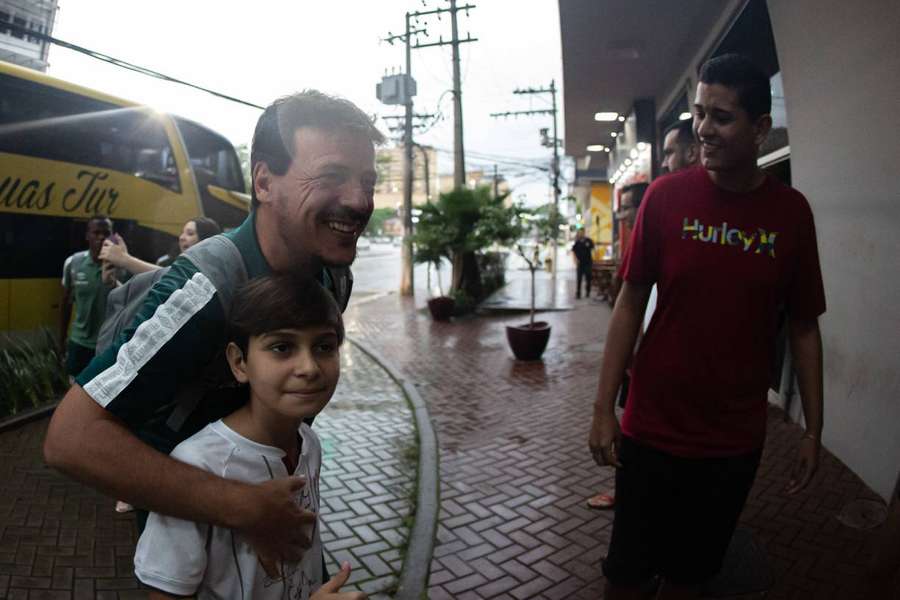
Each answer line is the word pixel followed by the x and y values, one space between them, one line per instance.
pixel 195 230
pixel 86 282
pixel 313 167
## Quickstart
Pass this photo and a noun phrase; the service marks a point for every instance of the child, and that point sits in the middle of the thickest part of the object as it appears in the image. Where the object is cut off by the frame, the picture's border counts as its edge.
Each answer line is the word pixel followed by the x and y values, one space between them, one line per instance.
pixel 284 340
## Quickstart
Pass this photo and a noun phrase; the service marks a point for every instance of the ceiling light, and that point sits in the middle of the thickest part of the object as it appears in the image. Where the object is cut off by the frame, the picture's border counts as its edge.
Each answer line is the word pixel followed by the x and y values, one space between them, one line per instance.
pixel 614 134
pixel 606 148
pixel 627 162
pixel 621 119
pixel 684 116
pixel 606 116
pixel 642 146
pixel 633 154
pixel 596 148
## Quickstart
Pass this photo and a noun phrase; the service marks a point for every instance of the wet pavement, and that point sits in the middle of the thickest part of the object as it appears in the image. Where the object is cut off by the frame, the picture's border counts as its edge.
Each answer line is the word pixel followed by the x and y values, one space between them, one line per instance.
pixel 60 540
pixel 514 469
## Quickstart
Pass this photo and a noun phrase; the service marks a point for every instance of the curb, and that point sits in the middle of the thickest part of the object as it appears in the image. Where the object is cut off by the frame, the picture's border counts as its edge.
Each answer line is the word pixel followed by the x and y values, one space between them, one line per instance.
pixel 23 418
pixel 413 580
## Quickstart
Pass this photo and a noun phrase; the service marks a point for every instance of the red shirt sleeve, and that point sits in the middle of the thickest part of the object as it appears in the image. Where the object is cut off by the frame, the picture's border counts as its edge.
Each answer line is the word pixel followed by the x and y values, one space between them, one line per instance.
pixel 640 264
pixel 806 294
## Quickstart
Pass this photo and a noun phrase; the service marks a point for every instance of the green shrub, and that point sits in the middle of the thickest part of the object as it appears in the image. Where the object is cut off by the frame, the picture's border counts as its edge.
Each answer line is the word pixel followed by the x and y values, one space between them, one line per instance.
pixel 463 303
pixel 31 373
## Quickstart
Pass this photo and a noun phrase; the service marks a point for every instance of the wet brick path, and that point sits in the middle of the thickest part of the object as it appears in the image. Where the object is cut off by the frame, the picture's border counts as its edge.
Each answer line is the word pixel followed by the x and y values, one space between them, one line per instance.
pixel 515 470
pixel 62 540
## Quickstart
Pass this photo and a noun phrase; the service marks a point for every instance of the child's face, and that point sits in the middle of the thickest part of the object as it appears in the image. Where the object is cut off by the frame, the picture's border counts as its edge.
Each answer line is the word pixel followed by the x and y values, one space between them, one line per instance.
pixel 292 372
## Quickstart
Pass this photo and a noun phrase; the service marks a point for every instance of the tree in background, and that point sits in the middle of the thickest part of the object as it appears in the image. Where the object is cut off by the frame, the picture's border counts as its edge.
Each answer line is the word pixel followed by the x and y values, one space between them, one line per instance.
pixel 376 222
pixel 461 223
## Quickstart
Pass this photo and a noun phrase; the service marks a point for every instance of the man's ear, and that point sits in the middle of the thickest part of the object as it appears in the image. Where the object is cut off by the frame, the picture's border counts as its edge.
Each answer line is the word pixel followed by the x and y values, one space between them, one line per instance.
pixel 236 361
pixel 762 127
pixel 262 182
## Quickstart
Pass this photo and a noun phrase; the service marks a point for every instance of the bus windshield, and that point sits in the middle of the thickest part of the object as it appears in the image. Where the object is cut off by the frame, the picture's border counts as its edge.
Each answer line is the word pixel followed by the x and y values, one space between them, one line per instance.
pixel 212 156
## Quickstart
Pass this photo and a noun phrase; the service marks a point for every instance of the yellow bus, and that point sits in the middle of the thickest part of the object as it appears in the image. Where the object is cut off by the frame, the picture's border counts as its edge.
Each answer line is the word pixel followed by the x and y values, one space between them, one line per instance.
pixel 67 153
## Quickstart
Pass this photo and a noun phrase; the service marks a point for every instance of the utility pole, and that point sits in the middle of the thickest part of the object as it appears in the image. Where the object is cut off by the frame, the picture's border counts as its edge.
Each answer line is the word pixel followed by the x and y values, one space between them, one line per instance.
pixel 496 182
pixel 400 90
pixel 387 93
pixel 545 141
pixel 459 160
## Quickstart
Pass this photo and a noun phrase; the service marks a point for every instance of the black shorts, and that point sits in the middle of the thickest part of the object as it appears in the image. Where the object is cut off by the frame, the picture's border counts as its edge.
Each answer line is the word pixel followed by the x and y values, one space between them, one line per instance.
pixel 674 516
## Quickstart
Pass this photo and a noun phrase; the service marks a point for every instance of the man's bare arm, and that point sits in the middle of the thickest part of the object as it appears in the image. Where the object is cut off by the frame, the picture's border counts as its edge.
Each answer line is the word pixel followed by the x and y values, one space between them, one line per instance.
pixel 806 348
pixel 624 325
pixel 88 443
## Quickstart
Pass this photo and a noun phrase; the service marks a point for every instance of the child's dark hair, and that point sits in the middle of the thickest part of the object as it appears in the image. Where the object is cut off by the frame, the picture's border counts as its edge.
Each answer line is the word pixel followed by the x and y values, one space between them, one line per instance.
pixel 278 302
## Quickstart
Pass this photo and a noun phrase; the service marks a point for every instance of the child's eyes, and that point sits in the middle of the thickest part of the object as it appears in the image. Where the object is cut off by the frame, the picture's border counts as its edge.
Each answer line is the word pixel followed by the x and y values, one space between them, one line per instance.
pixel 326 348
pixel 280 347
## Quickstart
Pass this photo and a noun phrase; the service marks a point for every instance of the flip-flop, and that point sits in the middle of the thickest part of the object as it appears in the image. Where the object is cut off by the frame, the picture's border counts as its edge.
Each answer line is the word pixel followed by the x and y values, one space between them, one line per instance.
pixel 601 501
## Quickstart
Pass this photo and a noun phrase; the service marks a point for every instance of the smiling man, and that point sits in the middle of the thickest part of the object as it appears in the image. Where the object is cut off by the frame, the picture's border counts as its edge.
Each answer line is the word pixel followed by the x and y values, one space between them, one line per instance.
pixel 728 247
pixel 161 381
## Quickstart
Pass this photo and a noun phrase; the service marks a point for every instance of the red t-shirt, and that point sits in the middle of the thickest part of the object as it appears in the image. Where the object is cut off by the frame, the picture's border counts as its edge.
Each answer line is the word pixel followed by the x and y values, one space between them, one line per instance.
pixel 724 263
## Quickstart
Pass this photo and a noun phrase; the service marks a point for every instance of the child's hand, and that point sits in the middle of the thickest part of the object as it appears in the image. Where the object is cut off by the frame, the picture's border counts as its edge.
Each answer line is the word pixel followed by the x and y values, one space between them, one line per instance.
pixel 332 589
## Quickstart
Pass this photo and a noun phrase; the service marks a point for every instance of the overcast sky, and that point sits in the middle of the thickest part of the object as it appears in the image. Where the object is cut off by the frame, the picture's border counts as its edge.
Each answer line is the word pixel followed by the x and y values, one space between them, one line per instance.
pixel 261 50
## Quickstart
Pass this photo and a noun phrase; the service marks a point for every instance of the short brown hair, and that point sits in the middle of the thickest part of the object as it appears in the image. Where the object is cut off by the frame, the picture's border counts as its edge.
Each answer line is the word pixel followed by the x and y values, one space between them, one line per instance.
pixel 276 302
pixel 273 138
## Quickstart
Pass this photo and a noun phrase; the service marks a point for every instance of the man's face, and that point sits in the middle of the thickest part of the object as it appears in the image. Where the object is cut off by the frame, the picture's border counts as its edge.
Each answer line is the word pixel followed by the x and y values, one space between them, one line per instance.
pixel 728 138
pixel 97 231
pixel 677 156
pixel 323 202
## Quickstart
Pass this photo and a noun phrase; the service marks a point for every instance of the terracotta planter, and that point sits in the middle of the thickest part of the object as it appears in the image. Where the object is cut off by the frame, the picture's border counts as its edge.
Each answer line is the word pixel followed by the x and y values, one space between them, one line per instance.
pixel 441 308
pixel 528 342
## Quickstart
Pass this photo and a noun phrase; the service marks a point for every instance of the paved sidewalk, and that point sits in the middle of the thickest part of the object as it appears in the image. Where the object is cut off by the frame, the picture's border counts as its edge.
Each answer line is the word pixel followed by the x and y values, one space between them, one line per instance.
pixel 515 470
pixel 61 540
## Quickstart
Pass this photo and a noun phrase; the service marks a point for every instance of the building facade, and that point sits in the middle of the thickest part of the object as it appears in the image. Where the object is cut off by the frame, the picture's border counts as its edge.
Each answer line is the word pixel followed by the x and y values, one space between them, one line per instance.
pixel 18 19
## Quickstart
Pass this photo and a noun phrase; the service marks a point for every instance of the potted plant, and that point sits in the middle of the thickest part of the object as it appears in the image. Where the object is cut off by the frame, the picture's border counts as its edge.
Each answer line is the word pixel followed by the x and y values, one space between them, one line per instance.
pixel 431 246
pixel 457 226
pixel 529 340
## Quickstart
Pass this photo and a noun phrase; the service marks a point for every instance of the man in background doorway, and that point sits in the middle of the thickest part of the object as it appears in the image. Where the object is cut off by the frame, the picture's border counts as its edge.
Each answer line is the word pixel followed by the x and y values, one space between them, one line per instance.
pixel 680 149
pixel 583 249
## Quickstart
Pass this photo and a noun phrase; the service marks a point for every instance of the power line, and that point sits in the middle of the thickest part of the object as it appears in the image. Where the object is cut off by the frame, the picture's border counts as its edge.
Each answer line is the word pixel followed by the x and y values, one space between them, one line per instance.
pixel 126 65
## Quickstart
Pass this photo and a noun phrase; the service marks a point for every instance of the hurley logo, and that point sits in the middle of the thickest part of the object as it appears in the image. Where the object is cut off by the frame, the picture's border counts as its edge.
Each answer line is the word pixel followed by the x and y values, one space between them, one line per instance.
pixel 760 241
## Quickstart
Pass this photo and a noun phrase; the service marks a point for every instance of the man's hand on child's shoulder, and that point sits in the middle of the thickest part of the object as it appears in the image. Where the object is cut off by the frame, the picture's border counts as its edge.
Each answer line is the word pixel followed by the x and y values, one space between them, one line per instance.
pixel 273 524
pixel 331 590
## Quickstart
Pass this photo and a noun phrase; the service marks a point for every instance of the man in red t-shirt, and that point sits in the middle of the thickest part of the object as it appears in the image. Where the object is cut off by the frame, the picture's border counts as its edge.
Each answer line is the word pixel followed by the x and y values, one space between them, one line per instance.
pixel 728 247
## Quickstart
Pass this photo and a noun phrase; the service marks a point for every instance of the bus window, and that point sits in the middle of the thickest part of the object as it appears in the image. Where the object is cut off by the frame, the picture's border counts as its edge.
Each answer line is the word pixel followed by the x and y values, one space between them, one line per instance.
pixel 47 123
pixel 212 156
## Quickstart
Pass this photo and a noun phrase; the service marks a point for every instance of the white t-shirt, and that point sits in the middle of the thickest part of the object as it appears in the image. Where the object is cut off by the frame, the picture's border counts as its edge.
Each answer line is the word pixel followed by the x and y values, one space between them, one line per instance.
pixel 183 558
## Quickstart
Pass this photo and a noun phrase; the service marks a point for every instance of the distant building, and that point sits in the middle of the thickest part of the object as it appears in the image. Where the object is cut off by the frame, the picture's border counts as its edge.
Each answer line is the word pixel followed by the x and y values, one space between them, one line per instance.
pixel 474 179
pixel 389 163
pixel 17 18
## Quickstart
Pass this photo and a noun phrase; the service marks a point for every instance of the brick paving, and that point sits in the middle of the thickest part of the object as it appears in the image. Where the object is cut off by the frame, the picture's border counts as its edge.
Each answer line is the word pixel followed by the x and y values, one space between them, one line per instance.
pixel 515 470
pixel 62 540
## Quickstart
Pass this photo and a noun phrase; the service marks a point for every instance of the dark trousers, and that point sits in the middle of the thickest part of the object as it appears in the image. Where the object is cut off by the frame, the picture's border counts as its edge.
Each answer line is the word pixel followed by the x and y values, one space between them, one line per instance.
pixel 583 272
